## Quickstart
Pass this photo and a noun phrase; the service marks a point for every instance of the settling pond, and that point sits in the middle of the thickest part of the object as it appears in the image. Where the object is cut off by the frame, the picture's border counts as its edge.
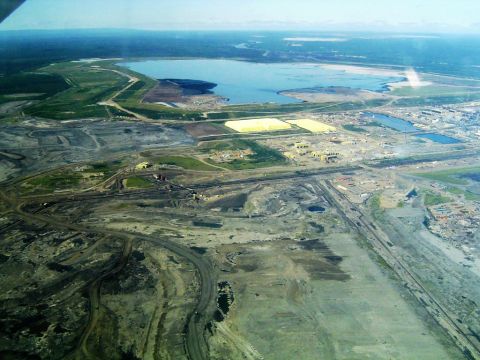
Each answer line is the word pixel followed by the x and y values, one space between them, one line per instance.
pixel 247 82
pixel 407 127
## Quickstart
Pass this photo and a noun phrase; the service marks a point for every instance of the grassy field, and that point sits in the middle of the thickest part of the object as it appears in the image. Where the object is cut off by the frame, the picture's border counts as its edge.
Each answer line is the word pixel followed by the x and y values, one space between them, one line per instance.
pixel 258 110
pixel 354 128
pixel 78 87
pixel 88 86
pixel 465 193
pixel 451 176
pixel 86 176
pixel 53 182
pixel 185 162
pixel 435 90
pixel 107 168
pixel 31 86
pixel 432 199
pixel 437 100
pixel 138 183
pixel 262 156
pixel 61 181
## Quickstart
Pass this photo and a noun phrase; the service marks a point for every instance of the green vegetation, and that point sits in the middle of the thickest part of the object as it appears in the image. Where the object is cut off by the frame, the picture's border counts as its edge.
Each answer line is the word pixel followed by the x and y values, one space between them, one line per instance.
pixel 376 208
pixel 471 196
pixel 374 124
pixel 86 176
pixel 437 100
pixel 89 86
pixel 434 91
pixel 114 112
pixel 132 99
pixel 72 90
pixel 415 159
pixel 106 168
pixel 138 183
pixel 52 182
pixel 31 86
pixel 354 128
pixel 432 199
pixel 467 194
pixel 240 111
pixel 159 112
pixel 454 190
pixel 452 81
pixel 454 177
pixel 270 109
pixel 188 163
pixel 261 156
pixel 451 176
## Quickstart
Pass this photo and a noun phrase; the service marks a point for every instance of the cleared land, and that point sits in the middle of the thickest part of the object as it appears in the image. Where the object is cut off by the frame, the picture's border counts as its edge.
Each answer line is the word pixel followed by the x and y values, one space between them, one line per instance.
pixel 258 125
pixel 312 125
pixel 202 130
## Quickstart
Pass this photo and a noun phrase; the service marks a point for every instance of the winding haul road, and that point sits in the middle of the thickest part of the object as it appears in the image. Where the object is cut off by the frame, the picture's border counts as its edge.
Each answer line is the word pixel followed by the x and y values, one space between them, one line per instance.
pixel 196 340
pixel 196 337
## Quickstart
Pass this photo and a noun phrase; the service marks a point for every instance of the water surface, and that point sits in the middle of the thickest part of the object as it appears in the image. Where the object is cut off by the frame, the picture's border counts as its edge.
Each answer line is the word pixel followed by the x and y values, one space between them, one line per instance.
pixel 248 82
pixel 406 126
pixel 441 139
pixel 391 122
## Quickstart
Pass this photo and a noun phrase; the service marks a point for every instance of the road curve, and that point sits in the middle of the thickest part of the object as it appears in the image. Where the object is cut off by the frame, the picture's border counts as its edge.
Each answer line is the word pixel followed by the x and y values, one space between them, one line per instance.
pixel 196 337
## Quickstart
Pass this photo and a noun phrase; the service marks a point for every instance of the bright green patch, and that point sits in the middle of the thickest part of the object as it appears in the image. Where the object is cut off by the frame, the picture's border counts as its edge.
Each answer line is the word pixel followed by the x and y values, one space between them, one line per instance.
pixel 467 194
pixel 437 100
pixel 31 86
pixel 354 128
pixel 451 176
pixel 376 207
pixel 374 124
pixel 436 90
pixel 108 168
pixel 261 156
pixel 432 199
pixel 472 196
pixel 188 163
pixel 56 181
pixel 454 190
pixel 138 183
pixel 89 85
pixel 52 182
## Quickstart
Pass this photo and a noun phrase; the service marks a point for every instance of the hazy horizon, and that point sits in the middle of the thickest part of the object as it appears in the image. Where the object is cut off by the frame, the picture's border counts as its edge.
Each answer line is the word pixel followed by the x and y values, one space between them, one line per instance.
pixel 409 16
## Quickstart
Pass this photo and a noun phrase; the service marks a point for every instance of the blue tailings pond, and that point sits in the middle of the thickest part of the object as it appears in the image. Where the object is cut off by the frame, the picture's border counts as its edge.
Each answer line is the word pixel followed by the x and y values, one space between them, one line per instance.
pixel 249 83
pixel 316 208
pixel 441 139
pixel 407 127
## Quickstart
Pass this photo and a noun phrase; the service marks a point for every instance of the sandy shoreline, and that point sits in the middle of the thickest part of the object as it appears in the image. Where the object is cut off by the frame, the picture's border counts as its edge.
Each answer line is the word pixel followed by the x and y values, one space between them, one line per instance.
pixel 361 70
pixel 410 77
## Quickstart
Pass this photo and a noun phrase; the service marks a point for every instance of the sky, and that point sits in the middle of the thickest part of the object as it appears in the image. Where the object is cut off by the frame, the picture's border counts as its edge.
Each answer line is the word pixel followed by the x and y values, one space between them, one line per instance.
pixel 344 15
